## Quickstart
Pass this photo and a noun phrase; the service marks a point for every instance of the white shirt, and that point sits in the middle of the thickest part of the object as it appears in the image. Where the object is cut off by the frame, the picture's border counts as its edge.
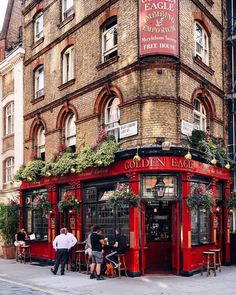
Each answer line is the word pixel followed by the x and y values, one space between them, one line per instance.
pixel 73 239
pixel 62 242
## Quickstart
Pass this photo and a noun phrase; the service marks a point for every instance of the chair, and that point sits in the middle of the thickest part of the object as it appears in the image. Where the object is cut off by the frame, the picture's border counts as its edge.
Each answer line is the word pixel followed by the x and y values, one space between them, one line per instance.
pixel 121 264
pixel 218 257
pixel 26 253
pixel 209 260
pixel 78 260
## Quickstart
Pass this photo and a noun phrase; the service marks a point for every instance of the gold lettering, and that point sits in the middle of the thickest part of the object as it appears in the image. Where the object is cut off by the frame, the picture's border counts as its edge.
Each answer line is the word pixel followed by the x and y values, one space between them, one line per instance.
pixel 173 162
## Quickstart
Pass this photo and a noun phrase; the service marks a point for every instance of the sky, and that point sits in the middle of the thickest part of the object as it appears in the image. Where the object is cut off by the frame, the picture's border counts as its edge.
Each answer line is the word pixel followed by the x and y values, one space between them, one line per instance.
pixel 3 5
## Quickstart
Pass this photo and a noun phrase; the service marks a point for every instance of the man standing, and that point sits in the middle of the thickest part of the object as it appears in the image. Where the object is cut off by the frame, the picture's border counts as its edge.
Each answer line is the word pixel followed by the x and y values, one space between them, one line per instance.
pixel 20 238
pixel 62 243
pixel 73 243
pixel 97 244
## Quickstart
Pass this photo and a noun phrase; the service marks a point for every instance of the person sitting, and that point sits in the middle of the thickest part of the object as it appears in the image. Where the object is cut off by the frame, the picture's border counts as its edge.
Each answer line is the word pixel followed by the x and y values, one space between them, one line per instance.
pixel 20 238
pixel 118 248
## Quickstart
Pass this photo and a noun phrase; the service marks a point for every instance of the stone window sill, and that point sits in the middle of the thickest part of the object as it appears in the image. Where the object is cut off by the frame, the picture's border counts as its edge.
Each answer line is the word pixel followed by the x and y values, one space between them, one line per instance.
pixel 66 21
pixel 203 65
pixel 67 84
pixel 108 63
pixel 38 99
pixel 8 136
pixel 37 43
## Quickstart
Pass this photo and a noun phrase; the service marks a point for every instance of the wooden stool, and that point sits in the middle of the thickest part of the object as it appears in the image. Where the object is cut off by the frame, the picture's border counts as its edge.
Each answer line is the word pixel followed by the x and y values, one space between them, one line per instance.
pixel 17 255
pixel 218 257
pixel 210 259
pixel 87 262
pixel 78 254
pixel 121 261
pixel 25 253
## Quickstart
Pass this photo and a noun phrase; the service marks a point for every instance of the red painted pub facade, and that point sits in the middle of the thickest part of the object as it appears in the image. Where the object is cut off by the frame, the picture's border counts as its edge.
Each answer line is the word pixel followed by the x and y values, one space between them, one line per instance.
pixel 163 233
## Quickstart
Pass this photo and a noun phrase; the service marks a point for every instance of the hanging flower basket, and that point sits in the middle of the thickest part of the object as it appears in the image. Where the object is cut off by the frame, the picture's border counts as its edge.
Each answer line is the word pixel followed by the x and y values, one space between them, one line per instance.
pixel 41 203
pixel 123 196
pixel 200 196
pixel 68 202
pixel 232 201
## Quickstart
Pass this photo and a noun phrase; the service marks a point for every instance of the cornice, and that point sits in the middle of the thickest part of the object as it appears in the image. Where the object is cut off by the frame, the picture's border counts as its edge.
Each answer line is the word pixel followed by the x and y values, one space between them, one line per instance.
pixel 11 60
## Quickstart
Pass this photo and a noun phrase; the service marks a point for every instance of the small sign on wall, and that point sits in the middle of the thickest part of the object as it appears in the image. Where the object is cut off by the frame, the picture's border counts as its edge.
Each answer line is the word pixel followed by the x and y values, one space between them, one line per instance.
pixel 186 128
pixel 129 129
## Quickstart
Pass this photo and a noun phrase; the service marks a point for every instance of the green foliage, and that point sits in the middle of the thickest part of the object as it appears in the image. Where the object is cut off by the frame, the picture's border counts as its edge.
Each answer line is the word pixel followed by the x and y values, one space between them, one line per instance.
pixel 33 170
pixel 200 197
pixel 68 202
pixel 48 167
pixel 104 155
pixel 197 136
pixel 64 164
pixel 232 201
pixel 85 159
pixel 18 175
pixel 43 205
pixel 9 222
pixel 123 196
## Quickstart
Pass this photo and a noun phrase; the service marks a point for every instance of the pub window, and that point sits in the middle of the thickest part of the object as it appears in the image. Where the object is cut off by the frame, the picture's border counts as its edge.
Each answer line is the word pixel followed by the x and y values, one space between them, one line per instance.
pixel 34 221
pixel 112 117
pixel 96 210
pixel 201 44
pixel 38 26
pixel 109 39
pixel 219 191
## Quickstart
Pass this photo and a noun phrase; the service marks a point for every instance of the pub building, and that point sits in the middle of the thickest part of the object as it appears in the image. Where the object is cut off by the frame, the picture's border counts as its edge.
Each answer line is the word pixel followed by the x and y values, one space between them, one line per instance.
pixel 149 73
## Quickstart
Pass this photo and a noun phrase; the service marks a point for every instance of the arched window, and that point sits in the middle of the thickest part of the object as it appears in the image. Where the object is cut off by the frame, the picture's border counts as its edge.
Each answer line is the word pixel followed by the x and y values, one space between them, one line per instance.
pixel 9 118
pixel 38 26
pixel 67 8
pixel 109 39
pixel 201 44
pixel 9 169
pixel 41 143
pixel 112 117
pixel 199 115
pixel 70 132
pixel 39 81
pixel 68 65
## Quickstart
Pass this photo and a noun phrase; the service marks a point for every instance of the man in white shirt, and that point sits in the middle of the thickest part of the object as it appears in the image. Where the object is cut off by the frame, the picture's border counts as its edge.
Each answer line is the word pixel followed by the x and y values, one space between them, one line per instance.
pixel 73 243
pixel 62 243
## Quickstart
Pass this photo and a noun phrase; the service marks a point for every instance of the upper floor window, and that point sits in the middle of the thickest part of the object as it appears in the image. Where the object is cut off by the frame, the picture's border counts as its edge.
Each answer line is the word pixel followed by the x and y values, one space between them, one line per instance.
pixel 68 65
pixel 199 115
pixel 201 44
pixel 38 27
pixel 112 117
pixel 39 81
pixel 9 169
pixel 109 39
pixel 41 143
pixel 67 8
pixel 9 118
pixel 70 132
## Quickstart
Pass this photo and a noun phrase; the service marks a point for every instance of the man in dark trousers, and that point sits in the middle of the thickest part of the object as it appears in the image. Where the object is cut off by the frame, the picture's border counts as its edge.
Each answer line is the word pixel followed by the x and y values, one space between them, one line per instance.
pixel 97 244
pixel 118 248
pixel 62 243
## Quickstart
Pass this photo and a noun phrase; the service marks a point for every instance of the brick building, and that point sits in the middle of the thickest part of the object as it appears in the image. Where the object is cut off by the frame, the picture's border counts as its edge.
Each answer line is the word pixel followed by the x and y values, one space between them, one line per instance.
pixel 149 72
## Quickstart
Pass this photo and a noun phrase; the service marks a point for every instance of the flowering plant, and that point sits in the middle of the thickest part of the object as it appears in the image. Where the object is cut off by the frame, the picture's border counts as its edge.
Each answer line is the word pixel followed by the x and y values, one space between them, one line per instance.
pixel 40 202
pixel 69 202
pixel 123 195
pixel 232 200
pixel 200 196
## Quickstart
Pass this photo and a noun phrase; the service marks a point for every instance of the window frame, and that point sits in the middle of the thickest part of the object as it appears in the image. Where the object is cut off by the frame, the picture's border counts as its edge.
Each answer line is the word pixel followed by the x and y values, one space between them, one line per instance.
pixel 115 129
pixel 38 21
pixel 204 53
pixel 39 72
pixel 9 118
pixel 68 68
pixel 9 169
pixel 66 12
pixel 40 146
pixel 68 136
pixel 200 115
pixel 106 29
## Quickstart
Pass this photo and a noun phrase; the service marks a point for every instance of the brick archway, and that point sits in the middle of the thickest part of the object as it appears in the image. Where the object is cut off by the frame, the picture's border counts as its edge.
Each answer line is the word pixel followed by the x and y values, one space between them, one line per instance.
pixel 35 126
pixel 206 99
pixel 64 111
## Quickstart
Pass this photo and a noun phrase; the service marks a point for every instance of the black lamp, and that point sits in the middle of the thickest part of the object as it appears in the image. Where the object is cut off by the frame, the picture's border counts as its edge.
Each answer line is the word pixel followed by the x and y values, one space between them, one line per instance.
pixel 159 188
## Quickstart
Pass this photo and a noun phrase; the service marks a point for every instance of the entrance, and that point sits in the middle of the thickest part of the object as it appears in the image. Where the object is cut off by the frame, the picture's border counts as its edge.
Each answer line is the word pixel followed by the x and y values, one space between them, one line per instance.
pixel 158 225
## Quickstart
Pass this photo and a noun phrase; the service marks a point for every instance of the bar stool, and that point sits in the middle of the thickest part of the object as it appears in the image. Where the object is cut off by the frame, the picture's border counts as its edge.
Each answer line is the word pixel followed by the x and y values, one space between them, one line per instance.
pixel 218 257
pixel 121 261
pixel 209 260
pixel 78 260
pixel 26 253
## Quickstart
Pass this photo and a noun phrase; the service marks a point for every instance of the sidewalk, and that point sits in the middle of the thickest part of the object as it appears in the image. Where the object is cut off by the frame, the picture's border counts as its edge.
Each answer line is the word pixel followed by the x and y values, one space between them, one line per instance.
pixel 39 278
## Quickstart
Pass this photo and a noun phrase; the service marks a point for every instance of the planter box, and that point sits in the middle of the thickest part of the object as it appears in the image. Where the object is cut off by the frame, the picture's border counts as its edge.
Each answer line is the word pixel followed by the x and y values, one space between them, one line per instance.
pixel 8 252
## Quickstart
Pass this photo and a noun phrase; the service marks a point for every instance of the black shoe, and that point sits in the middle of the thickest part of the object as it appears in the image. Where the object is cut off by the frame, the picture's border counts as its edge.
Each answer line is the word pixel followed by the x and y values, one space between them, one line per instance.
pixel 92 276
pixel 62 274
pixel 52 270
pixel 100 278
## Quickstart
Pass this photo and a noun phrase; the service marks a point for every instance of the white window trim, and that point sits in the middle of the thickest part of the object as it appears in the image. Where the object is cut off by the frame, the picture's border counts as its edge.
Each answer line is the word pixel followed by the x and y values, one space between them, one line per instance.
pixel 105 53
pixel 67 12
pixel 68 65
pixel 70 137
pixel 9 169
pixel 204 54
pixel 113 126
pixel 201 115
pixel 9 113
pixel 38 73
pixel 38 19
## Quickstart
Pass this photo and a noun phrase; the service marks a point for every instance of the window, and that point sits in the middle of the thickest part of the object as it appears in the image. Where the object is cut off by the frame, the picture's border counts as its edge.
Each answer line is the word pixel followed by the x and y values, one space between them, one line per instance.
pixel 199 115
pixel 39 81
pixel 67 8
pixel 112 117
pixel 68 65
pixel 98 211
pixel 70 132
pixel 34 221
pixel 9 118
pixel 41 143
pixel 109 39
pixel 200 226
pixel 9 166
pixel 38 27
pixel 201 44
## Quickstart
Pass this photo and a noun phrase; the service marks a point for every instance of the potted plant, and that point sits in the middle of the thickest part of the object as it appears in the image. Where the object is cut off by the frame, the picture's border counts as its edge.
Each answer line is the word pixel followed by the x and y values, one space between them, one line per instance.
pixel 68 202
pixel 9 224
pixel 123 196
pixel 200 196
